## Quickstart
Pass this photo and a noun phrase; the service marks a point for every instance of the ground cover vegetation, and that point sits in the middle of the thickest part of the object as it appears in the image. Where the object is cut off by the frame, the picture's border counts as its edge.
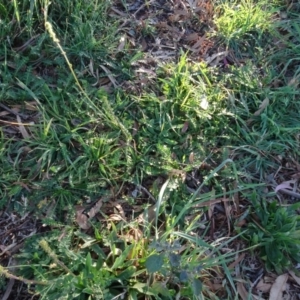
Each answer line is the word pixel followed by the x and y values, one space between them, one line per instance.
pixel 149 149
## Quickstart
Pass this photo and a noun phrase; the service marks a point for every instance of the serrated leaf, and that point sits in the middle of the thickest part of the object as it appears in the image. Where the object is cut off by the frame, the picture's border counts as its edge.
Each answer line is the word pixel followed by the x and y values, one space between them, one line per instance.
pixel 154 263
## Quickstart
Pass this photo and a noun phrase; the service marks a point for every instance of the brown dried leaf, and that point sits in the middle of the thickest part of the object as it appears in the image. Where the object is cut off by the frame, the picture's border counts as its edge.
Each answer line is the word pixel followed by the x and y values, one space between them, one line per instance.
pixel 239 259
pixel 22 184
pixel 118 12
pixel 278 287
pixel 263 286
pixel 144 44
pixel 294 81
pixel 185 127
pixel 174 18
pixel 198 45
pixel 228 215
pixel 116 217
pixel 22 128
pixel 182 12
pixel 296 278
pixel 191 158
pixel 148 216
pixel 242 291
pixel 91 67
pixel 236 198
pixel 82 219
pixel 135 128
pixel 95 209
pixel 109 75
pixel 262 107
pixel 192 37
pixel 14 110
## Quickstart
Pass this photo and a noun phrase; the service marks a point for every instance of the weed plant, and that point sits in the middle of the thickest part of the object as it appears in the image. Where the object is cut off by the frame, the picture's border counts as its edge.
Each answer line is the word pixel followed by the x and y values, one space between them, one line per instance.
pixel 274 230
pixel 109 265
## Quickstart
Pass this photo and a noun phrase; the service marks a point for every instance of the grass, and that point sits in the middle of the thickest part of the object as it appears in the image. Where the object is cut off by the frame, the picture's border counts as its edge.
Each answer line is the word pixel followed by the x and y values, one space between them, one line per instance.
pixel 184 161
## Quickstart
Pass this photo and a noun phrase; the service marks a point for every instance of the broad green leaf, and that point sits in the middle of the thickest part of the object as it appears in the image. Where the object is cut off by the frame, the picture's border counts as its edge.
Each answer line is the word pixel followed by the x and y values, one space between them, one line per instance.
pixel 154 262
pixel 184 276
pixel 174 260
pixel 197 286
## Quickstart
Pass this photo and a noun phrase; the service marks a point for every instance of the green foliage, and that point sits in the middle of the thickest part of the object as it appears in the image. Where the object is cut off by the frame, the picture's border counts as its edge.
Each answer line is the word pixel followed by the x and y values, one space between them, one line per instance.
pixel 274 229
pixel 183 272
pixel 242 17
pixel 73 272
pixel 189 116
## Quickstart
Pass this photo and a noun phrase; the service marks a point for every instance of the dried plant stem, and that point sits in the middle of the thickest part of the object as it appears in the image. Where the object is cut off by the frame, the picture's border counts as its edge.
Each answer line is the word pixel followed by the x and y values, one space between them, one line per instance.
pixel 48 250
pixel 5 272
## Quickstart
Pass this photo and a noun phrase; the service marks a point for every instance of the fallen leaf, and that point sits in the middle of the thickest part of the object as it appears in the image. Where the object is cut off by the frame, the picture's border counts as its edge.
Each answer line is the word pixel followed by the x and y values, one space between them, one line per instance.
pixel 185 127
pixel 236 198
pixel 296 278
pixel 91 67
pixel 83 218
pixel 192 37
pixel 22 184
pixel 148 216
pixel 135 128
pixel 197 46
pixel 263 286
pixel 284 185
pixel 118 12
pixel 109 75
pixel 191 157
pixel 228 214
pixel 239 259
pixel 216 57
pixel 294 81
pixel 278 287
pixel 241 223
pixel 262 106
pixel 242 291
pixel 144 45
pixel 22 128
